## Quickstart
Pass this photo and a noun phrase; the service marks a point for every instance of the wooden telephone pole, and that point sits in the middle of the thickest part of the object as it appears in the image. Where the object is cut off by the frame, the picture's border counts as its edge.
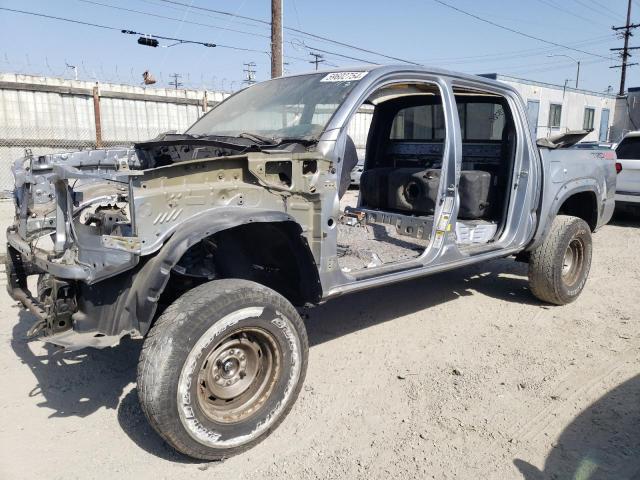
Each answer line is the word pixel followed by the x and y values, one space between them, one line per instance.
pixel 624 51
pixel 276 38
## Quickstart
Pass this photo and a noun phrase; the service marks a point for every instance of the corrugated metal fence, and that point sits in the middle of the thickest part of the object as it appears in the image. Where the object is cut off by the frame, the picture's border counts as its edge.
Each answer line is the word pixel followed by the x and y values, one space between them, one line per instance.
pixel 45 115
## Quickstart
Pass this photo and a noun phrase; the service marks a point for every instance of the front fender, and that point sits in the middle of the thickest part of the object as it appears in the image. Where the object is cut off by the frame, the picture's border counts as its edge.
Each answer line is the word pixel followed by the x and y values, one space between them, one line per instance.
pixel 150 281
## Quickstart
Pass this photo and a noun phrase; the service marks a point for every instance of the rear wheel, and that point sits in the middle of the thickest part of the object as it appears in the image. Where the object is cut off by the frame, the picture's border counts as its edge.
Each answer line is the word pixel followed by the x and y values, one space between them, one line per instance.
pixel 559 267
pixel 222 367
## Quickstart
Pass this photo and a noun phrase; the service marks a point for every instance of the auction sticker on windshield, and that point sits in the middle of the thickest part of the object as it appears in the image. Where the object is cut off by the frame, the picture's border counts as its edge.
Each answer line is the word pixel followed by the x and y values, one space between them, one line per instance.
pixel 343 76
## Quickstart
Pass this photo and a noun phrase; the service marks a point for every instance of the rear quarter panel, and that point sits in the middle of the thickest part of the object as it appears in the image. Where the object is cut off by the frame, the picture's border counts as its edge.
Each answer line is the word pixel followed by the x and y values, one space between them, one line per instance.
pixel 570 171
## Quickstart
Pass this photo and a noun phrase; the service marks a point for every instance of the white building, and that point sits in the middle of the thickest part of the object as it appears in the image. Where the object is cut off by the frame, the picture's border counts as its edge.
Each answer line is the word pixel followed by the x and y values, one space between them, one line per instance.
pixel 555 108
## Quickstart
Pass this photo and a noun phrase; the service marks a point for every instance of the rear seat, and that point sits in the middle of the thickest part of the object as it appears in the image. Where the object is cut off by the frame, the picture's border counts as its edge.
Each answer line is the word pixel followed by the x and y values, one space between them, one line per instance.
pixel 415 190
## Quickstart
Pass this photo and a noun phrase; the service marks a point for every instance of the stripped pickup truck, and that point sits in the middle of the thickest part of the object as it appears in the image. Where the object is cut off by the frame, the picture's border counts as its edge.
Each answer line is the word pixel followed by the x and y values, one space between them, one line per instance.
pixel 207 243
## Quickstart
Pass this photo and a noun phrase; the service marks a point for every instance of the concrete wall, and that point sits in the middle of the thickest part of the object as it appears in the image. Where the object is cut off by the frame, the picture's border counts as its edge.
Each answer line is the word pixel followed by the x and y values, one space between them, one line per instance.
pixel 573 101
pixel 46 114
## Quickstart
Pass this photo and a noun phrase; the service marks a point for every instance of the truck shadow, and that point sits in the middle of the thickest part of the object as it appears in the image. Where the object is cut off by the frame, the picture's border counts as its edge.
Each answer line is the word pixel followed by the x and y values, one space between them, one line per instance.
pixel 502 279
pixel 623 218
pixel 602 442
pixel 75 383
pixel 80 383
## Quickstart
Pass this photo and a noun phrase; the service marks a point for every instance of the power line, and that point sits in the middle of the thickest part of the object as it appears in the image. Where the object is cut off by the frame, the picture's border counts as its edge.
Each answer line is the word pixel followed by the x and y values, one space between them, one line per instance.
pixel 521 53
pixel 291 29
pixel 157 3
pixel 603 7
pixel 550 67
pixel 173 18
pixel 173 39
pixel 318 37
pixel 219 12
pixel 335 54
pixel 564 10
pixel 515 54
pixel 193 23
pixel 52 17
pixel 131 32
pixel 599 12
pixel 508 29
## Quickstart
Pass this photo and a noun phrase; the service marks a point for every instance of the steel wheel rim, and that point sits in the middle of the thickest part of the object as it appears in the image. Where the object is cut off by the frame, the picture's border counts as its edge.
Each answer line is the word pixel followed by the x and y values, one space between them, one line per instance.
pixel 238 375
pixel 572 261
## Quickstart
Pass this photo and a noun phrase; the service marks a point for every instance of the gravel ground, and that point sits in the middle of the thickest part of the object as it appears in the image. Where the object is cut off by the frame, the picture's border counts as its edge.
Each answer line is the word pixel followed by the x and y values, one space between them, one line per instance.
pixel 459 375
pixel 369 246
pixel 361 247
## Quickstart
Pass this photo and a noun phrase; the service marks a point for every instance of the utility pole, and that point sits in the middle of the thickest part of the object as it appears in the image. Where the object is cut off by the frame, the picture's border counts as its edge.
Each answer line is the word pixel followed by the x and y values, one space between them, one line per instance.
pixel 624 51
pixel 250 73
pixel 318 59
pixel 276 38
pixel 175 81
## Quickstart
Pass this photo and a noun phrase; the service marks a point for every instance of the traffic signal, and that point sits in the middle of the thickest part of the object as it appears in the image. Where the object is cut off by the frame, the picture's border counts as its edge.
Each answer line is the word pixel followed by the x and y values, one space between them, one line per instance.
pixel 149 42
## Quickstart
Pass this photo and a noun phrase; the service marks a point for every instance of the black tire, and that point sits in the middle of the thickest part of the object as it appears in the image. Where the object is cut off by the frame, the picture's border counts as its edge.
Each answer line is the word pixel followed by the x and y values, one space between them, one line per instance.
pixel 198 405
pixel 559 267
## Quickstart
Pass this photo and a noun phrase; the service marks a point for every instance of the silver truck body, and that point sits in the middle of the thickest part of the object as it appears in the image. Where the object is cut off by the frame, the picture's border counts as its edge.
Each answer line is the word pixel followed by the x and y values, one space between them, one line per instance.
pixel 107 283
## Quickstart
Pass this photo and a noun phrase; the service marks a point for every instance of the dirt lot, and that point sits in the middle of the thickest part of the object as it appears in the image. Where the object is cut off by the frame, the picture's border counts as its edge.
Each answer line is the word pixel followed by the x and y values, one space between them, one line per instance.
pixel 460 375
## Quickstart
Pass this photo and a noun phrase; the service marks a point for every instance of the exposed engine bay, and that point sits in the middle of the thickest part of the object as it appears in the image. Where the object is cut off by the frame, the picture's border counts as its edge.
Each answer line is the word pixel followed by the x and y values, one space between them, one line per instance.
pixel 91 215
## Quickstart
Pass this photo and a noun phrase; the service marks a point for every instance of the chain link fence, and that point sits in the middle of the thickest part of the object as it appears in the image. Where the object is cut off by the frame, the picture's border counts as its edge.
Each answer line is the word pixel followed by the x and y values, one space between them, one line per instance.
pixel 16 142
pixel 41 115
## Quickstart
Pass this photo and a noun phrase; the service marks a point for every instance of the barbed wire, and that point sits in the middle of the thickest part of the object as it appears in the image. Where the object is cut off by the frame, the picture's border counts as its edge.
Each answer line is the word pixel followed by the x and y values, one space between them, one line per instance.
pixel 114 74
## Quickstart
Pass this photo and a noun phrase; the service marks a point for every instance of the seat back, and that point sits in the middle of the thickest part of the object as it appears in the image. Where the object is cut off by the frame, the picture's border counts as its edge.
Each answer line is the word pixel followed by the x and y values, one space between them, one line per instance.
pixel 349 162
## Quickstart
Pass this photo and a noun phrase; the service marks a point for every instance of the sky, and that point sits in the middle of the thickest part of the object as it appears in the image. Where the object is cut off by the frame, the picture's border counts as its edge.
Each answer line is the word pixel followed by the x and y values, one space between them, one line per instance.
pixel 422 31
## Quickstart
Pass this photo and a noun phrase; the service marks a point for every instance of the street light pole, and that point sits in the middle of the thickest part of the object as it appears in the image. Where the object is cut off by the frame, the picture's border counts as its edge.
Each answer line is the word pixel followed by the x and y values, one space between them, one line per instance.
pixel 570 57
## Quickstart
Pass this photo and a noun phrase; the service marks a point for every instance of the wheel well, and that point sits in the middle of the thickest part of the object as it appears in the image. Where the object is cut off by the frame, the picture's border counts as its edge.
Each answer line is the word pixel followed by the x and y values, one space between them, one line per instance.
pixel 583 205
pixel 272 254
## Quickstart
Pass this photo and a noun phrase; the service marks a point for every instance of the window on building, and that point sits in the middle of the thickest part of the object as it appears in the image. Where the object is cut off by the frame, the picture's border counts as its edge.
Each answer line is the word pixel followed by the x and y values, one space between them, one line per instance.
pixel 589 117
pixel 555 115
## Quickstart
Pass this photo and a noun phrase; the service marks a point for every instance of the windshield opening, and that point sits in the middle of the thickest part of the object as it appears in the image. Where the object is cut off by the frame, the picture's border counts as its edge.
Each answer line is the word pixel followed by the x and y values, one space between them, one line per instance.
pixel 290 107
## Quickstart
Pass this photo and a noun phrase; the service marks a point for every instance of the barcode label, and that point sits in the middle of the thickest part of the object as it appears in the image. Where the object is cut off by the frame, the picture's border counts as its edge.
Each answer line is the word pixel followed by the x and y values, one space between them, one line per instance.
pixel 343 76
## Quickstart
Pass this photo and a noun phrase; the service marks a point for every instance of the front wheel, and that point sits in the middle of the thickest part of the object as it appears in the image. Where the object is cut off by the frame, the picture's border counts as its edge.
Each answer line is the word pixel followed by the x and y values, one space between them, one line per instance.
pixel 222 367
pixel 559 267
